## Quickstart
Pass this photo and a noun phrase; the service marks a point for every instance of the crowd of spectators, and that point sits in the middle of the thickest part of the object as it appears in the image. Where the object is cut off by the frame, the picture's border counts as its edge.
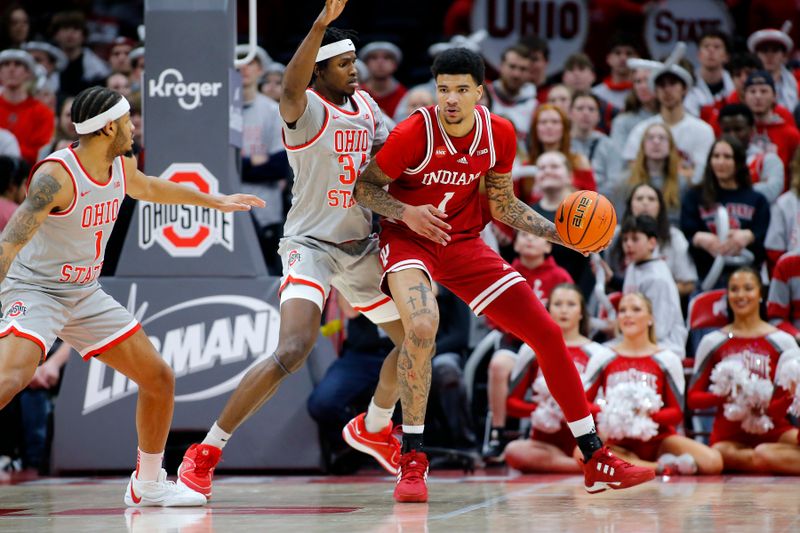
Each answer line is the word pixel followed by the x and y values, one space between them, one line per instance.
pixel 701 163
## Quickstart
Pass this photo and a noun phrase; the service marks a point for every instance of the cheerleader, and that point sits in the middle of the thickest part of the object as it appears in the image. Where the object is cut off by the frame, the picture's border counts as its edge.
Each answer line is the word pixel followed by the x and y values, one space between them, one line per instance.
pixel 760 348
pixel 652 376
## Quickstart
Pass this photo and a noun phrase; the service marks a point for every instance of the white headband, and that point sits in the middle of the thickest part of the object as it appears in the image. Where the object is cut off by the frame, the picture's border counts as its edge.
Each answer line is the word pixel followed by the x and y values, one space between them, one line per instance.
pixel 98 122
pixel 334 49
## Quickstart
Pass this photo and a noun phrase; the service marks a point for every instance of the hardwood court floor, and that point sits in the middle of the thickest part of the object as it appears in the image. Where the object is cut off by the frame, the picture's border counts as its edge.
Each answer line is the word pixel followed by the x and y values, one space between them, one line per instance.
pixel 493 501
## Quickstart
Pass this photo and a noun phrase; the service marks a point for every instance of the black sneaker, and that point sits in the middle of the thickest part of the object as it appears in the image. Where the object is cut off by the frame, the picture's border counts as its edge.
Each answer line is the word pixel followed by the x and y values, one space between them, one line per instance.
pixel 494 450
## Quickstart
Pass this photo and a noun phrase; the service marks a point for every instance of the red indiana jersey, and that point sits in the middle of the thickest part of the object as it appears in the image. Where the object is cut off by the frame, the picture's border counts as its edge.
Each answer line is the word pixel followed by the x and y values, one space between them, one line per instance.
pixel 430 167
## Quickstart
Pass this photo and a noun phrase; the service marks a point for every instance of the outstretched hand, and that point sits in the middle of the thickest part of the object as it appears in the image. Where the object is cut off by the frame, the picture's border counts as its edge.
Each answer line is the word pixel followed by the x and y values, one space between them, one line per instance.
pixel 331 11
pixel 239 202
pixel 427 221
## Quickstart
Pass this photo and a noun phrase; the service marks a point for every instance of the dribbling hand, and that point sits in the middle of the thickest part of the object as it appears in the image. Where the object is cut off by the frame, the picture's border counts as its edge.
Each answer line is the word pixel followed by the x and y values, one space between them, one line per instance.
pixel 238 202
pixel 331 11
pixel 427 221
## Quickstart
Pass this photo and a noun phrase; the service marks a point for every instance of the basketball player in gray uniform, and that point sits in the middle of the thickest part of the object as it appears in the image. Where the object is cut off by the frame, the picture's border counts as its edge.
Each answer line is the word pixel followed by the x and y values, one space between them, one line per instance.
pixel 51 253
pixel 330 131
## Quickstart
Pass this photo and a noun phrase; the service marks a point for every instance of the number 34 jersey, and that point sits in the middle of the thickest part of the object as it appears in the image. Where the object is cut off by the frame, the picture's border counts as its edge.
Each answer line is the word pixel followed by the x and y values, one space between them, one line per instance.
pixel 328 147
pixel 69 247
pixel 428 166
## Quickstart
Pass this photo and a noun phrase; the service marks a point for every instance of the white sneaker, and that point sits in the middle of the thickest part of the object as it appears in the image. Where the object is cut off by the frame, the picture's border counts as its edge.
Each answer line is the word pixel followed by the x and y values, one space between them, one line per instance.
pixel 161 493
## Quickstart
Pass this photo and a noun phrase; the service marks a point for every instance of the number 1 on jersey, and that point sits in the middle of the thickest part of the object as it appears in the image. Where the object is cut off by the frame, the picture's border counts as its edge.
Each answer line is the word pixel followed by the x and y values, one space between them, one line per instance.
pixel 443 204
pixel 98 243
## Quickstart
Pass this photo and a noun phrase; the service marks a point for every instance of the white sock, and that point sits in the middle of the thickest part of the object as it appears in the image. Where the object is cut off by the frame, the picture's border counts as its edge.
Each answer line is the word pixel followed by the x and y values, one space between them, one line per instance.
pixel 419 430
pixel 216 437
pixel 377 417
pixel 148 465
pixel 583 426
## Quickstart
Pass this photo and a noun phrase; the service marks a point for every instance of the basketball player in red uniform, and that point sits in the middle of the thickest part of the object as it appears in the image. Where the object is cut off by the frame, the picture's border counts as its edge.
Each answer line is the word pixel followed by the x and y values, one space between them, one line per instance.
pixel 433 164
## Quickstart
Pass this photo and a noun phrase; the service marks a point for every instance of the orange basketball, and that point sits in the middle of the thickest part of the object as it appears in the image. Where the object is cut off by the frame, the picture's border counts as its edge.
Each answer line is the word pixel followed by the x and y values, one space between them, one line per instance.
pixel 586 220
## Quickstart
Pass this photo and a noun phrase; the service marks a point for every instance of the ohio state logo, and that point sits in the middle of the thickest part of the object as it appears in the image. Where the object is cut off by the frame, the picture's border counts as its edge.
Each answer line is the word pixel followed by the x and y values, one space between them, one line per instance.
pixel 294 257
pixel 16 309
pixel 184 230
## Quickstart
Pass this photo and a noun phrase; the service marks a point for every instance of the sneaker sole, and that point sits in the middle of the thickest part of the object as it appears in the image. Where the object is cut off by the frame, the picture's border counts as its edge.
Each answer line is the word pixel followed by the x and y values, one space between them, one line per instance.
pixel 351 440
pixel 601 486
pixel 411 498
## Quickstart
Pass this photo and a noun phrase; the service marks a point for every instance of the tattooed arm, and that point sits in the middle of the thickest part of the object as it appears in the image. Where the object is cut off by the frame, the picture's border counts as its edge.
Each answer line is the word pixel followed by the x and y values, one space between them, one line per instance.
pixel 50 191
pixel 425 220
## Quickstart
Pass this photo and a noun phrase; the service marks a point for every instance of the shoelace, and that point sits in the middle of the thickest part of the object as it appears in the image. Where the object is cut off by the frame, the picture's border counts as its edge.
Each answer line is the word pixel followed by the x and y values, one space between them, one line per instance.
pixel 202 464
pixel 617 463
pixel 412 468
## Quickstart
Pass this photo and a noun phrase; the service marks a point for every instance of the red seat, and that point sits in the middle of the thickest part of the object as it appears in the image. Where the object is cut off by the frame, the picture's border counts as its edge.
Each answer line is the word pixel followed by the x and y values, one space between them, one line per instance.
pixel 708 310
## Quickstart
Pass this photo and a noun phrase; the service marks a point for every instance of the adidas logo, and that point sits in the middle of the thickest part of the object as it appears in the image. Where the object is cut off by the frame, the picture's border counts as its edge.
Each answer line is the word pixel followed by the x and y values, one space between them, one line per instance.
pixel 462 160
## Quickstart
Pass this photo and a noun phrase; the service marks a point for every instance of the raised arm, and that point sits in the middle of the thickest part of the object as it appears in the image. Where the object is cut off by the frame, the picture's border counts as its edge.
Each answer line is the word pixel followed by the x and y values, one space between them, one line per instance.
pixel 50 190
pixel 163 191
pixel 301 67
pixel 425 220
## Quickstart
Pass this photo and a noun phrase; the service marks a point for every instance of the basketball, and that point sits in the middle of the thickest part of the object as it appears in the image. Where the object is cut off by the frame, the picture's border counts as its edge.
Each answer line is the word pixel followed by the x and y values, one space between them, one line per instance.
pixel 586 220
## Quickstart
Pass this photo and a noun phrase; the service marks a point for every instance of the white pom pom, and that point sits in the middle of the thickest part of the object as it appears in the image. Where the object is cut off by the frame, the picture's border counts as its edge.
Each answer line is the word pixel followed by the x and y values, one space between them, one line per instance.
pixel 727 377
pixel 788 377
pixel 748 395
pixel 757 424
pixel 547 416
pixel 734 412
pixel 627 411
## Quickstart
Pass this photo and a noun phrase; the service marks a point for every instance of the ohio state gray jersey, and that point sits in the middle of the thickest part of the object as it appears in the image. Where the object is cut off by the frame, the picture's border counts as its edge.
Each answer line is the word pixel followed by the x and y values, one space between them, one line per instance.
pixel 328 147
pixel 69 247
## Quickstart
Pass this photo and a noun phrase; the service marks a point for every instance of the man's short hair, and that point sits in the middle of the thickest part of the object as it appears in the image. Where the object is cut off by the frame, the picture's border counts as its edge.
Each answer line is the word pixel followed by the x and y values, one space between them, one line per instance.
pixel 715 33
pixel 740 62
pixel 735 110
pixel 534 43
pixel 68 19
pixel 519 49
pixel 578 61
pixel 459 61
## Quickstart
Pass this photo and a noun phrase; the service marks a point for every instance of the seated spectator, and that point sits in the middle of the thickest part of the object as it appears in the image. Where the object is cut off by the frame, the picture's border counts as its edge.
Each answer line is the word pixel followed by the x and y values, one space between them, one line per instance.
pixel 758 347
pixel 137 69
pixel 659 164
pixel 783 302
pixel 415 99
pixel 766 168
pixel 740 66
pixel 773 47
pixel 553 180
pixel 773 133
pixel 639 359
pixel 593 144
pixel 539 52
pixel 265 167
pixel 671 246
pixel 13 173
pixel 51 58
pixel 783 234
pixel 15 26
pixel 31 121
pixel 550 131
pixel 382 59
pixel 512 95
pixel 347 386
pixel 616 87
pixel 560 96
pixel 579 75
pixel 693 137
pixel 726 183
pixel 713 83
pixel 120 83
pixel 272 82
pixel 65 133
pixel 543 274
pixel 640 104
pixel 119 55
pixel 547 451
pixel 649 275
pixel 68 30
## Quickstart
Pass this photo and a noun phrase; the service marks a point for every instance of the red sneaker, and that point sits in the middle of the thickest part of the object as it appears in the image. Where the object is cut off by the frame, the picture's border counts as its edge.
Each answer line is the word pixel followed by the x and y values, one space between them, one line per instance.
pixel 607 471
pixel 412 478
pixel 383 446
pixel 197 469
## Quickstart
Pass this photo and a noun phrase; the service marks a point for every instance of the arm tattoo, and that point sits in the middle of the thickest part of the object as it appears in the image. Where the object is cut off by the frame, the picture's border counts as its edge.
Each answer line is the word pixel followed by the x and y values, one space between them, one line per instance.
pixel 370 193
pixel 25 221
pixel 423 292
pixel 510 210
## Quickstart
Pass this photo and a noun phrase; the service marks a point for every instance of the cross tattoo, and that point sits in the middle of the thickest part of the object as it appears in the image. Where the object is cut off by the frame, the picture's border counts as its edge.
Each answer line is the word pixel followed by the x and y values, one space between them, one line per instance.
pixel 423 292
pixel 412 301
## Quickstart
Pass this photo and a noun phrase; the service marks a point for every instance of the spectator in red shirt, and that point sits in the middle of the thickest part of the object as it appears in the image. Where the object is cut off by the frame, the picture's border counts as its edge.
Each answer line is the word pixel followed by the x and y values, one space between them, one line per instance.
pixel 772 133
pixel 31 121
pixel 382 59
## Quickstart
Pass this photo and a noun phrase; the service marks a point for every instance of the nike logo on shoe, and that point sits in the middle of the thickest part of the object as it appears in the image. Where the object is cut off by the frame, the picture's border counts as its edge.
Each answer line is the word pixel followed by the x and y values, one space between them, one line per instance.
pixel 133 496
